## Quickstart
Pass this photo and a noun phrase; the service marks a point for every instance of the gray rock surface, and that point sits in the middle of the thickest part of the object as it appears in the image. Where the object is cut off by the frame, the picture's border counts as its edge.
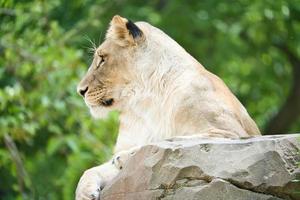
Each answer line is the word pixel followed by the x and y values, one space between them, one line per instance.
pixel 262 168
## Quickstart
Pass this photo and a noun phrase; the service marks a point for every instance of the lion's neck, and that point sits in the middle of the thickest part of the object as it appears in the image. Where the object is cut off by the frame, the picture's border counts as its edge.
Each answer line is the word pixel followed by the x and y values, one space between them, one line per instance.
pixel 148 121
pixel 149 114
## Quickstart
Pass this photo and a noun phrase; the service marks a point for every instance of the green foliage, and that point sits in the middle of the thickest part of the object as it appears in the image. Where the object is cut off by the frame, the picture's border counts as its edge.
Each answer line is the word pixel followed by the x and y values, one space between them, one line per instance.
pixel 40 110
pixel 44 52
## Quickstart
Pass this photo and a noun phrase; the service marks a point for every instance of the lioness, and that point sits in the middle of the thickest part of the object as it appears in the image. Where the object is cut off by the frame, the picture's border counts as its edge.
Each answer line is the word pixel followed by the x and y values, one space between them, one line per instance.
pixel 160 90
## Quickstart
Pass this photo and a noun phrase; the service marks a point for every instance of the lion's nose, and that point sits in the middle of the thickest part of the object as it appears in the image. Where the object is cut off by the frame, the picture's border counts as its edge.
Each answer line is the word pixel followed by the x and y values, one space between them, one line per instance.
pixel 82 90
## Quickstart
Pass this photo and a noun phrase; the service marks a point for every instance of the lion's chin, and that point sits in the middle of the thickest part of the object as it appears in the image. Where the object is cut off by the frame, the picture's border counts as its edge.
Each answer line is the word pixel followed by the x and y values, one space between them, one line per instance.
pixel 99 112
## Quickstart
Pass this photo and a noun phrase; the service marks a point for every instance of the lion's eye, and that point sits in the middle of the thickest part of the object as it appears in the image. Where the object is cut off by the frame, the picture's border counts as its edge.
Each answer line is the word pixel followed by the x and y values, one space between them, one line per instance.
pixel 100 61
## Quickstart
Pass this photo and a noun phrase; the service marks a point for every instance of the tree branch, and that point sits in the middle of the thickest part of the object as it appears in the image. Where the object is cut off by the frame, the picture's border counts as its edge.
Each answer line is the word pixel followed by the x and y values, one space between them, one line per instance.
pixel 21 172
pixel 290 110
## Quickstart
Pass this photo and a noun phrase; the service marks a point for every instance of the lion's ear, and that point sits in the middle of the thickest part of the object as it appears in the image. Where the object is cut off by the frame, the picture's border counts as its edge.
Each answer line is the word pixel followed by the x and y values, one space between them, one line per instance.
pixel 124 32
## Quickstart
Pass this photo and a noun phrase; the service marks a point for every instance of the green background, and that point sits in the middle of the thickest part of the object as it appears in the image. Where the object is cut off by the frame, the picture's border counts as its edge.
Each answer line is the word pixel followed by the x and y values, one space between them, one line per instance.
pixel 47 136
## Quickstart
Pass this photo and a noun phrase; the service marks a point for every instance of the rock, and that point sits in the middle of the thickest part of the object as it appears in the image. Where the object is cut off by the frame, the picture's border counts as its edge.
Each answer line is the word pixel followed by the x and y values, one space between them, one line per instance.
pixel 262 168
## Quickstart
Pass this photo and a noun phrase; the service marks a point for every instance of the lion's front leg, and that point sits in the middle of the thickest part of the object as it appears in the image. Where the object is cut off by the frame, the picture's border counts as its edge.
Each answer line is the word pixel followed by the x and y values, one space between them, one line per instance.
pixel 93 181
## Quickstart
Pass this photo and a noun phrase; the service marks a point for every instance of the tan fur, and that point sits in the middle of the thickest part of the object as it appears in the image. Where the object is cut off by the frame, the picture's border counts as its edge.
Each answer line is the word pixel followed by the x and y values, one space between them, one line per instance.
pixel 161 92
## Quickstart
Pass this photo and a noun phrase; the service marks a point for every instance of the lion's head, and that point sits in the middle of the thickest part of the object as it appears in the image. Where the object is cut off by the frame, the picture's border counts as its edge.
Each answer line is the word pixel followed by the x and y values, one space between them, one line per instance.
pixel 133 59
pixel 105 85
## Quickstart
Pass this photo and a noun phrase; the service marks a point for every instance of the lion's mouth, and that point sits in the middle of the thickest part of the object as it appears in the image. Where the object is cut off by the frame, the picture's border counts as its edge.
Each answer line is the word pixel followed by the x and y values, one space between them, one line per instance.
pixel 107 102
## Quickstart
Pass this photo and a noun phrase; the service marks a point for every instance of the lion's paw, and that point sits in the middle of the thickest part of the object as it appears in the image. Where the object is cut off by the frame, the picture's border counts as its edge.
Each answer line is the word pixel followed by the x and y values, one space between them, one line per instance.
pixel 89 186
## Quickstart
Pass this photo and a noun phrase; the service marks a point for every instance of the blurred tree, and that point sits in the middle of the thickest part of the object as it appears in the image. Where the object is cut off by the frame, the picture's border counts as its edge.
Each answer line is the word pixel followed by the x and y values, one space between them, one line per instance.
pixel 47 137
